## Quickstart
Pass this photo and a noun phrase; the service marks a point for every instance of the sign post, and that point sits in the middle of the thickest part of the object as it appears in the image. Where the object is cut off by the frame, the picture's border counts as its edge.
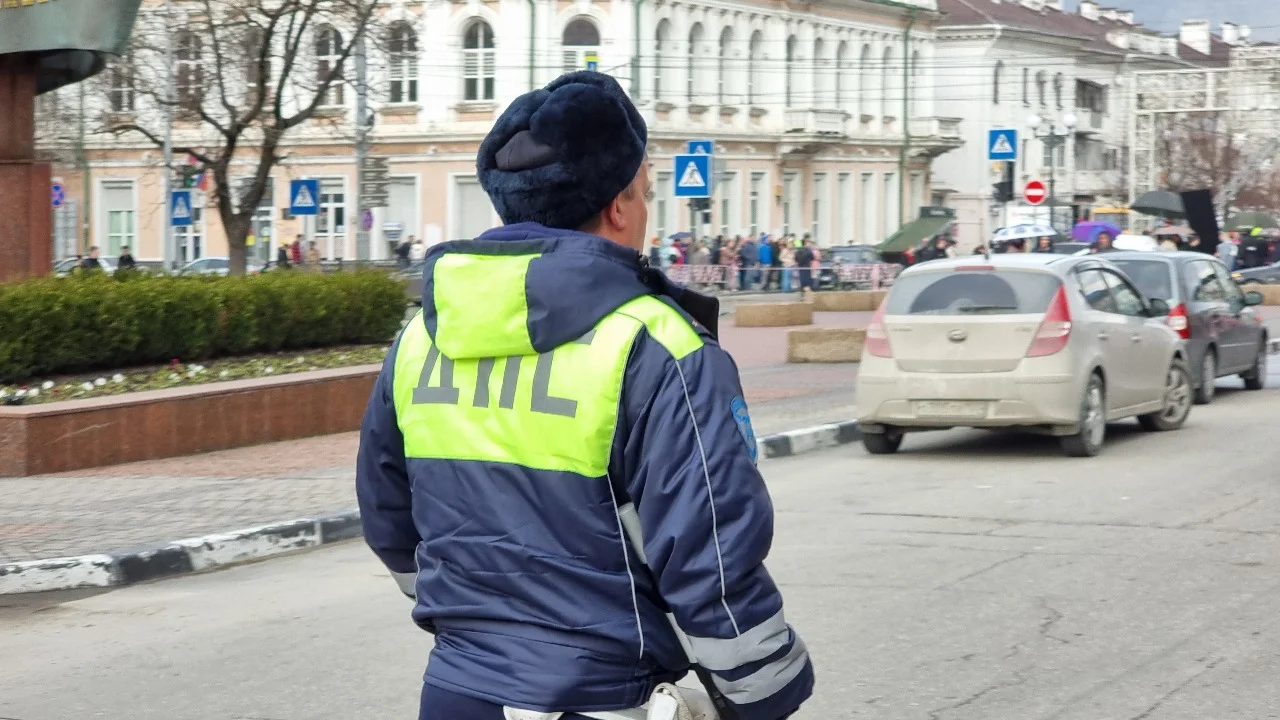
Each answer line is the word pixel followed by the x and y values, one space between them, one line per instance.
pixel 1034 192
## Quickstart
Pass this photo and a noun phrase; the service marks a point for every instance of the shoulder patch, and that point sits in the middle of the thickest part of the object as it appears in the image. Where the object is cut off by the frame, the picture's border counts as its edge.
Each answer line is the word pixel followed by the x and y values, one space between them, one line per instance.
pixel 743 420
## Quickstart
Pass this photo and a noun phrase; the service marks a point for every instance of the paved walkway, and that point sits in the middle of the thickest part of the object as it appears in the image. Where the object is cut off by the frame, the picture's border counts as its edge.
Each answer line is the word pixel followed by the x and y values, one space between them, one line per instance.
pixel 127 506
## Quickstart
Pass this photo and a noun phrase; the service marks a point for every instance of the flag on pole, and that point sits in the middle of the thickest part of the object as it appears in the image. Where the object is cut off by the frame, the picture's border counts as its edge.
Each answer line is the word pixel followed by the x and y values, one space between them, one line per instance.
pixel 202 182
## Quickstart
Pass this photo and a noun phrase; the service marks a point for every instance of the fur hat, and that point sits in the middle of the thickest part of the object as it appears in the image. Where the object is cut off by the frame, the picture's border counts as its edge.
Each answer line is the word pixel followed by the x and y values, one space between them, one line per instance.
pixel 559 155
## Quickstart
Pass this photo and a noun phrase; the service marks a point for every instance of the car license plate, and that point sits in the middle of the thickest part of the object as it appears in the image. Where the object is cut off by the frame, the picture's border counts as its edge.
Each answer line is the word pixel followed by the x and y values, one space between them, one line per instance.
pixel 951 408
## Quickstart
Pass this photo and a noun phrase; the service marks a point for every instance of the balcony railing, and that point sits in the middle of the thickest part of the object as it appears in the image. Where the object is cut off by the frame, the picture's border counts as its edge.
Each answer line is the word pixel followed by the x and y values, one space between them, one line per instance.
pixel 939 127
pixel 815 121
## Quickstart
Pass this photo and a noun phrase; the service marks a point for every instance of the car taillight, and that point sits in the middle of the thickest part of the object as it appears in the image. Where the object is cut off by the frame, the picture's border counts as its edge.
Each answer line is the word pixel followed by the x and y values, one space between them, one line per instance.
pixel 877 342
pixel 1178 320
pixel 1055 329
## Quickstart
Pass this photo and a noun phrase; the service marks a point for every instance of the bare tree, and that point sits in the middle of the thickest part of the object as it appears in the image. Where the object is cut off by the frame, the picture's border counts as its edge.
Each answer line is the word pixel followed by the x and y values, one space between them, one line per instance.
pixel 1223 152
pixel 246 75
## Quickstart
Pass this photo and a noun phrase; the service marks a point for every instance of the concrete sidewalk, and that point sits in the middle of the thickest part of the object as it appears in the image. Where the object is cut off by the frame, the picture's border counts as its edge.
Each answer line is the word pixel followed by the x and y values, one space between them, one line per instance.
pixel 116 508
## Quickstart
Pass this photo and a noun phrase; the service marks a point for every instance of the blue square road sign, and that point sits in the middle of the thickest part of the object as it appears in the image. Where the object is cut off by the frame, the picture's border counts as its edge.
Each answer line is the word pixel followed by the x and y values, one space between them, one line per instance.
pixel 692 176
pixel 1002 144
pixel 702 147
pixel 304 197
pixel 180 208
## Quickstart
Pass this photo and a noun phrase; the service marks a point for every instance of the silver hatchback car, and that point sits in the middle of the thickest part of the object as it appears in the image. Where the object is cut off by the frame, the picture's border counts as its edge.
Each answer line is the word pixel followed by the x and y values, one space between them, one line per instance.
pixel 1054 344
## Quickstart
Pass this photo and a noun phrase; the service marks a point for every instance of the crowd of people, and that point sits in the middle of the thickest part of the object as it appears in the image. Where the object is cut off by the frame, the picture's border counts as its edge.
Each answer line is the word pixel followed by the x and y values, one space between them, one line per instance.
pixel 785 263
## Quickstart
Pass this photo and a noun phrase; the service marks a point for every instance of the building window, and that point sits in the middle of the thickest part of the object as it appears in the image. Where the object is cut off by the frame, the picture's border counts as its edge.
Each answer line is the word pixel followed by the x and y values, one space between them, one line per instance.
pixel 844 203
pixel 478 62
pixel 661 48
pixel 728 196
pixel 1053 155
pixel 995 85
pixel 754 63
pixel 257 62
pixel 842 70
pixel 722 74
pixel 121 220
pixel 402 46
pixel 580 39
pixel 757 196
pixel 892 211
pixel 120 91
pixel 188 70
pixel 790 181
pixel 914 77
pixel 190 238
pixel 885 88
pixel 263 220
pixel 870 216
pixel 865 76
pixel 1026 92
pixel 331 223
pixel 661 207
pixel 692 86
pixel 790 69
pixel 817 226
pixel 328 62
pixel 1057 90
pixel 817 92
pixel 1040 86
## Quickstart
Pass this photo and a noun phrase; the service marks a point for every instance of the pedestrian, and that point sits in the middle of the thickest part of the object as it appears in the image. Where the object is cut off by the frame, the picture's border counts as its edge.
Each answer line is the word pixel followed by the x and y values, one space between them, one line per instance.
pixel 126 260
pixel 509 514
pixel 313 258
pixel 282 257
pixel 787 253
pixel 1044 244
pixel 804 263
pixel 91 262
pixel 295 251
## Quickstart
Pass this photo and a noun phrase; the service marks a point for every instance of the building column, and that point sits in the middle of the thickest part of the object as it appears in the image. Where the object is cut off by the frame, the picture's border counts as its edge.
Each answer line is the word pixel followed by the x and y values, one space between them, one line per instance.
pixel 26 245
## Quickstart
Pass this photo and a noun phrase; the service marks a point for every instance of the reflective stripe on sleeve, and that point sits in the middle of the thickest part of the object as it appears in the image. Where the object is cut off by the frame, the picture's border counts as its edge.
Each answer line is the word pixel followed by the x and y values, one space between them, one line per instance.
pixel 768 680
pixel 751 646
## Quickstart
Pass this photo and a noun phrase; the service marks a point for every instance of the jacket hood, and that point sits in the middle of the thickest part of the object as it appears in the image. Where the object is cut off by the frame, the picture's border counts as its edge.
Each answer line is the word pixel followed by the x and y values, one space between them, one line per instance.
pixel 525 288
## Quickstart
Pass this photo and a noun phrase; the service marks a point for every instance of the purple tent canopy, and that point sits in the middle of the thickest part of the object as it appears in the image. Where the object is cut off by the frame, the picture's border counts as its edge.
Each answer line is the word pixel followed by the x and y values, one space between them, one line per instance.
pixel 1088 231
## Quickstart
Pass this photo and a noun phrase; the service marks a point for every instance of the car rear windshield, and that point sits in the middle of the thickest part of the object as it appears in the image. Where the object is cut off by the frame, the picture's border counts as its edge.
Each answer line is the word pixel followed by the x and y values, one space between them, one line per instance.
pixel 972 292
pixel 1151 277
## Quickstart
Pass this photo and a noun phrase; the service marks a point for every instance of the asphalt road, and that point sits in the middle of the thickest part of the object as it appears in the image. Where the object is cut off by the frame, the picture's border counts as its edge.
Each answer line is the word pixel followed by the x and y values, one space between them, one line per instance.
pixel 971 576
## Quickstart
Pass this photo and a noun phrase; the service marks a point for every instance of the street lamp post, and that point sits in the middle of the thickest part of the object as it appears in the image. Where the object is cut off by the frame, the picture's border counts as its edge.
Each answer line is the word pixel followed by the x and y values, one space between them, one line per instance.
pixel 1053 139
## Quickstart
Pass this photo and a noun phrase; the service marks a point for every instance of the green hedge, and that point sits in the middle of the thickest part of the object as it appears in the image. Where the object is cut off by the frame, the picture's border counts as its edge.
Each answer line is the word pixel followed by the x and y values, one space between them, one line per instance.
pixel 51 326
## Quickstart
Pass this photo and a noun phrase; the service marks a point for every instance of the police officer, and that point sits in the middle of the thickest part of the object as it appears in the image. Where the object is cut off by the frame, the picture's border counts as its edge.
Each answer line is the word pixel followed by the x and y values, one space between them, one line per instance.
pixel 557 453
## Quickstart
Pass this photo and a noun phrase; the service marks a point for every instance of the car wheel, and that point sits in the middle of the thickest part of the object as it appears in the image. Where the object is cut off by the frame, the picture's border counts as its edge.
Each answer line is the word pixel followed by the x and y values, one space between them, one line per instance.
pixel 1178 396
pixel 885 443
pixel 1093 422
pixel 1208 378
pixel 1256 376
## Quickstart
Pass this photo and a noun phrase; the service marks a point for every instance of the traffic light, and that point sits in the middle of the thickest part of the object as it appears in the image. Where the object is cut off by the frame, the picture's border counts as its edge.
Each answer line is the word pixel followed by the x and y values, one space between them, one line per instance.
pixel 1003 191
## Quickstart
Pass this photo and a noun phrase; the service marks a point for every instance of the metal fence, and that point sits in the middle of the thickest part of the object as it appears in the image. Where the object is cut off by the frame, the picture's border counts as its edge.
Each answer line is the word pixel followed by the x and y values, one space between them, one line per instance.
pixel 731 278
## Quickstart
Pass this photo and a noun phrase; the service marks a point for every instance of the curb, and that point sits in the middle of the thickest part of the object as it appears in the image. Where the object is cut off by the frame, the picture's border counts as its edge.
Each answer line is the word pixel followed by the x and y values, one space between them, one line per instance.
pixel 1273 346
pixel 217 550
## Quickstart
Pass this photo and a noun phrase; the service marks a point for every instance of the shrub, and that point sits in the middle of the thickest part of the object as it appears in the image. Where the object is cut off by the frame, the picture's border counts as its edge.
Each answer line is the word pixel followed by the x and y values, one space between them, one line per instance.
pixel 65 325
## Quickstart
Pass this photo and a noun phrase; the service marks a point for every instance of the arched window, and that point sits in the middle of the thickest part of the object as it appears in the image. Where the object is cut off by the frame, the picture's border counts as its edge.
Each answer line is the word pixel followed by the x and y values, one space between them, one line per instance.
pixel 865 77
pixel 1026 91
pixel 579 39
pixel 328 62
pixel 755 61
pixel 402 49
pixel 1057 90
pixel 120 90
pixel 477 62
pixel 188 69
pixel 692 86
pixel 1040 86
pixel 724 88
pixel 886 87
pixel 995 84
pixel 790 69
pixel 661 48
pixel 842 80
pixel 820 70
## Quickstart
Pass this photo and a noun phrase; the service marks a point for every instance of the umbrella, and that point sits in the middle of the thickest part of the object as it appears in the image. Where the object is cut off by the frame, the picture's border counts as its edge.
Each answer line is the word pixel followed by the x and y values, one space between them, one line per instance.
pixel 1252 219
pixel 1023 232
pixel 1160 203
pixel 1181 230
pixel 680 236
pixel 1088 231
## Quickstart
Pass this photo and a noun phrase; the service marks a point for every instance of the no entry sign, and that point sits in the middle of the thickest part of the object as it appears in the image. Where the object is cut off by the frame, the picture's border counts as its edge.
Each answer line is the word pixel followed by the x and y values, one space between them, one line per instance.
pixel 1034 193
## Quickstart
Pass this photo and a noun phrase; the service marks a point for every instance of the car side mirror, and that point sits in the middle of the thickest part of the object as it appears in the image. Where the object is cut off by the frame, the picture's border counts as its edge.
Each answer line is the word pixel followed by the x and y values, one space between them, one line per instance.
pixel 1253 297
pixel 1159 308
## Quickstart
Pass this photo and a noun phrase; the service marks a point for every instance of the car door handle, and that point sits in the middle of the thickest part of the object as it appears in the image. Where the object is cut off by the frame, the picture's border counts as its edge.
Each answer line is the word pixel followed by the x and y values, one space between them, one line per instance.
pixel 1136 338
pixel 1103 336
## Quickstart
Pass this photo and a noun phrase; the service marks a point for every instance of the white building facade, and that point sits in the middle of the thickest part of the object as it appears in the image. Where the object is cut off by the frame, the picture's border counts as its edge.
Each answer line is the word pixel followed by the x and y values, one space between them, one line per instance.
pixel 823 118
pixel 1002 62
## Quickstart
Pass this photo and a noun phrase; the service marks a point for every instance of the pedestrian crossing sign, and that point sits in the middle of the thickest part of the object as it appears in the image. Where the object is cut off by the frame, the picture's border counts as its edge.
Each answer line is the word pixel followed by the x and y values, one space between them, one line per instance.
pixel 693 176
pixel 1002 144
pixel 180 208
pixel 303 197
